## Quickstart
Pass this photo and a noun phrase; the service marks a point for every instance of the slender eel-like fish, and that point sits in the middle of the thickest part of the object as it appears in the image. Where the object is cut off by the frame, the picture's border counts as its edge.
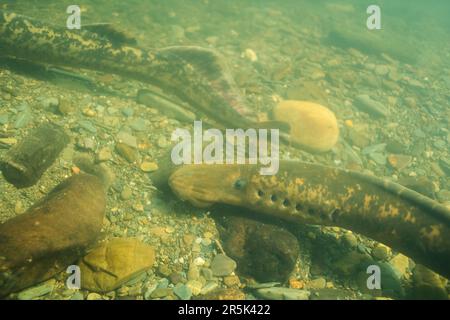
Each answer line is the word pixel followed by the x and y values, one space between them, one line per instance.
pixel 196 75
pixel 310 193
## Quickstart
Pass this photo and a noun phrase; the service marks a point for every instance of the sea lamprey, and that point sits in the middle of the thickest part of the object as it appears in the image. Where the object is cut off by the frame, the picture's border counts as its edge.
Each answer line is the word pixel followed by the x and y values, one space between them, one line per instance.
pixel 196 75
pixel 314 194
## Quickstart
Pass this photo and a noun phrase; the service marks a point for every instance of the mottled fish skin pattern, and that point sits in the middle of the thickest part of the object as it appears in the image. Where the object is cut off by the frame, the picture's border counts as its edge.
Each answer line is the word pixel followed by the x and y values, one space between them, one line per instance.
pixel 315 194
pixel 196 75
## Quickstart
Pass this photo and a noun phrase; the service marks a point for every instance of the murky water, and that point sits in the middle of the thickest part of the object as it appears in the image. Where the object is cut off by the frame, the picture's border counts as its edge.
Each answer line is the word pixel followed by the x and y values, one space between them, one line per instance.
pixel 335 83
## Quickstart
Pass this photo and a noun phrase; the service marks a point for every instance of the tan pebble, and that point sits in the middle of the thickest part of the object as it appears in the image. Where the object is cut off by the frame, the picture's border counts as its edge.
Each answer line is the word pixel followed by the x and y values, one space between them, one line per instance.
pixel 8 141
pixel 88 112
pixel 76 170
pixel 138 207
pixel 149 166
pixel 232 281
pixel 312 126
pixel 195 286
pixel 93 296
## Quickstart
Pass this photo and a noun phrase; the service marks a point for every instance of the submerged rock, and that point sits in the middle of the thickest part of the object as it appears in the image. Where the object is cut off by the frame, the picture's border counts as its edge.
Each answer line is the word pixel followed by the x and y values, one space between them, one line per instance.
pixel 115 262
pixel 312 125
pixel 52 234
pixel 262 251
pixel 367 104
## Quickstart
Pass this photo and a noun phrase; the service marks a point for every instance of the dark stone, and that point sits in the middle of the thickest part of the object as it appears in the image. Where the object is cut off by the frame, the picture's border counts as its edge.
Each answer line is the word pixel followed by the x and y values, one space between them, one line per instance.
pixel 262 251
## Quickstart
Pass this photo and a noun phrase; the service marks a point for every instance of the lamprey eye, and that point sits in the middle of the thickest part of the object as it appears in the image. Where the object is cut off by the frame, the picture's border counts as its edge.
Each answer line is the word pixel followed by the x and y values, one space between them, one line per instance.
pixel 240 184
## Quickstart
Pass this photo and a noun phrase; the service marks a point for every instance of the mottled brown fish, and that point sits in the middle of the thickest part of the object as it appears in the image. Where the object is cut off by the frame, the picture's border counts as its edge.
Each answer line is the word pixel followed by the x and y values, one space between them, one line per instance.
pixel 310 193
pixel 194 74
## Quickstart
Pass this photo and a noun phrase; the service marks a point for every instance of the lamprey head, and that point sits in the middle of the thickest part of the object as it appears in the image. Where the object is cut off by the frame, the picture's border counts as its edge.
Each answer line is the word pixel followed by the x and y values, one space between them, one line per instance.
pixel 203 185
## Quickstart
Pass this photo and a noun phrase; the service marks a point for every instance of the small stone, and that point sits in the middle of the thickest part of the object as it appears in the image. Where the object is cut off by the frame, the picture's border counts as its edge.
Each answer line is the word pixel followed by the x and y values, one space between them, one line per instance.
pixel 400 264
pixel 188 239
pixel 199 261
pixel 312 126
pixel 350 239
pixel 127 139
pixel 36 292
pixel 51 102
pixel 366 104
pixel 209 287
pixel 127 112
pixel 160 293
pixel 4 118
pixel 127 152
pixel 195 286
pixel 19 207
pixel 104 154
pixel 65 107
pixel 176 278
pixel 8 141
pixel 318 283
pixel 399 161
pixel 148 166
pixel 222 265
pixel 88 126
pixel 88 112
pixel 193 272
pixel 94 296
pixel 381 252
pixel 183 292
pixel 250 55
pixel 207 273
pixel 162 142
pixel 279 293
pixel 164 270
pixel 138 207
pixel 381 70
pixel 126 193
pixel 232 281
pixel 138 124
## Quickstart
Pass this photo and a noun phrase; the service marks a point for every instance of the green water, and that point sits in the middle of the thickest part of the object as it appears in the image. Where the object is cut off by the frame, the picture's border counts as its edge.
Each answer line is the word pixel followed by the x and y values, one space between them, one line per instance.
pixel 318 51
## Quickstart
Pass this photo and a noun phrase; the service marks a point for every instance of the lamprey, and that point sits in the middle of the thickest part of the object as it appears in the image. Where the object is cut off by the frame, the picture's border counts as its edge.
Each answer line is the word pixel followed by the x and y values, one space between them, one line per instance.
pixel 314 194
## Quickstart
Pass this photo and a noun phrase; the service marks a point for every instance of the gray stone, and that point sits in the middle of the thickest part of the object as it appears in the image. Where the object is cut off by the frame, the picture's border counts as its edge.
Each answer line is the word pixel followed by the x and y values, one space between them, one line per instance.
pixel 182 291
pixel 279 293
pixel 222 265
pixel 370 106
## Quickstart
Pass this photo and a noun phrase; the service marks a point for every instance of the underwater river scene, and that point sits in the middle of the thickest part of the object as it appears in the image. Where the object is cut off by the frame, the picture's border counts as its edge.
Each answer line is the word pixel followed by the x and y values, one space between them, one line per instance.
pixel 224 150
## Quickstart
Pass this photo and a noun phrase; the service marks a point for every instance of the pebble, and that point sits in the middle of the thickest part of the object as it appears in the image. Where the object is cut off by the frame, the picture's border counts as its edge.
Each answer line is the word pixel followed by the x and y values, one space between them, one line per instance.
pixel 195 286
pixel 38 291
pixel 209 287
pixel 8 141
pixel 138 124
pixel 149 166
pixel 222 265
pixel 400 264
pixel 51 102
pixel 127 139
pixel 104 154
pixel 232 281
pixel 182 291
pixel 207 273
pixel 350 239
pixel 399 161
pixel 128 153
pixel 19 207
pixel 250 55
pixel 381 252
pixel 193 272
pixel 312 125
pixel 94 296
pixel 4 118
pixel 367 104
pixel 126 193
pixel 381 70
pixel 160 293
pixel 279 293
pixel 88 126
pixel 23 119
pixel 318 283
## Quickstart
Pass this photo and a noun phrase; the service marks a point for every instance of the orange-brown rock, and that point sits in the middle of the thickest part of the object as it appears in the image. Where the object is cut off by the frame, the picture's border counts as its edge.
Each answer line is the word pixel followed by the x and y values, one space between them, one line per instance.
pixel 313 126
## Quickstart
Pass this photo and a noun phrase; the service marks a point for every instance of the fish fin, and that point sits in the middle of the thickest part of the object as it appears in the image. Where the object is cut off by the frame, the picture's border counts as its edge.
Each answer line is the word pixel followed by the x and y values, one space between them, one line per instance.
pixel 273 124
pixel 117 37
